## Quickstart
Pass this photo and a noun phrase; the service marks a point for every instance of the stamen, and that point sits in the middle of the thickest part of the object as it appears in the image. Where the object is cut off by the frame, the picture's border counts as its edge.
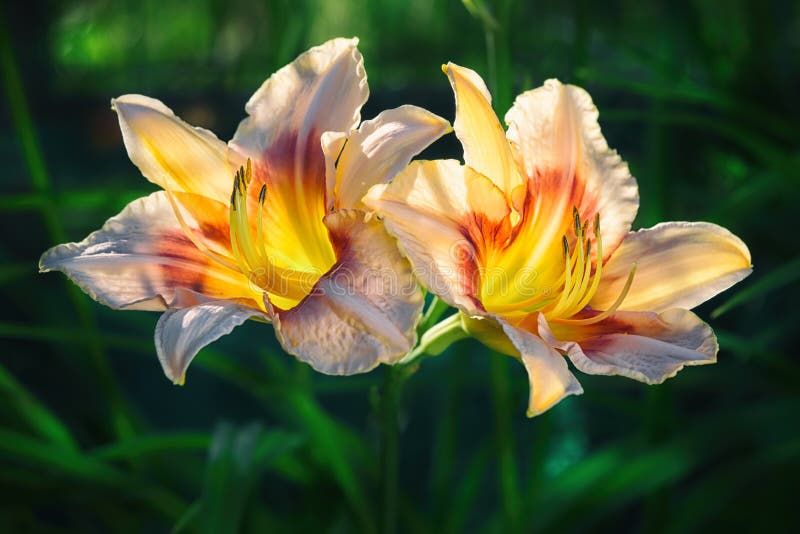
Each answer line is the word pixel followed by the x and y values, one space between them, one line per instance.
pixel 567 278
pixel 598 272
pixel 262 195
pixel 577 219
pixel 245 239
pixel 202 247
pixel 235 239
pixel 610 310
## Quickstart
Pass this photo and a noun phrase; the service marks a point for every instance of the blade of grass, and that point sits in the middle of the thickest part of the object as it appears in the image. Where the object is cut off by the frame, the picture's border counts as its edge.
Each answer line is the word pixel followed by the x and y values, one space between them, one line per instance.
pixel 710 496
pixel 780 277
pixel 237 459
pixel 328 440
pixel 121 418
pixel 466 491
pixel 47 460
pixel 163 443
pixel 686 91
pixel 14 271
pixel 36 414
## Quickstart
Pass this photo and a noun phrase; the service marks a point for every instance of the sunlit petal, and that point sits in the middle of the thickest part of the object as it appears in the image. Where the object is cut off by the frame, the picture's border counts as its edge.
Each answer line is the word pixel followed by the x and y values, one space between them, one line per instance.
pixel 378 150
pixel 141 256
pixel 548 373
pixel 429 208
pixel 485 146
pixel 644 346
pixel 171 153
pixel 559 145
pixel 679 265
pixel 322 90
pixel 181 333
pixel 360 314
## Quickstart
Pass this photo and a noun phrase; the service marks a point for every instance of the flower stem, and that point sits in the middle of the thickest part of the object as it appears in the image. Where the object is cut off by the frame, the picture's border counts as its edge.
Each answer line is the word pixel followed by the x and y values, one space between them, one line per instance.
pixel 393 379
pixel 435 310
pixel 436 339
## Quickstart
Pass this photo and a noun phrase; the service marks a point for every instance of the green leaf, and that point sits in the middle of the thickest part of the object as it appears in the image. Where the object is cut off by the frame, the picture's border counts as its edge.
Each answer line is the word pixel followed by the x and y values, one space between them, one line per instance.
pixel 163 443
pixel 237 459
pixel 36 415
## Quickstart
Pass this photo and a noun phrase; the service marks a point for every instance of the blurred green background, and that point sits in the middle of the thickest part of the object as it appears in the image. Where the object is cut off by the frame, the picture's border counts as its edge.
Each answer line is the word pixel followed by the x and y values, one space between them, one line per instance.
pixel 700 97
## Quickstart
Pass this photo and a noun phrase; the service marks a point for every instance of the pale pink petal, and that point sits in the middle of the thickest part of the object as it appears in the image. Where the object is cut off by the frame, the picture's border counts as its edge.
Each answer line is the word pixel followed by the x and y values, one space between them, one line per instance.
pixel 679 265
pixel 559 146
pixel 141 256
pixel 548 373
pixel 181 333
pixel 378 150
pixel 645 346
pixel 363 312
pixel 322 90
pixel 171 153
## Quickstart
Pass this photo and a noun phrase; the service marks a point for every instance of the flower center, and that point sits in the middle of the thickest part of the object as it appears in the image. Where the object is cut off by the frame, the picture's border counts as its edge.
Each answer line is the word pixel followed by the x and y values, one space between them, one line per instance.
pixel 288 285
pixel 578 282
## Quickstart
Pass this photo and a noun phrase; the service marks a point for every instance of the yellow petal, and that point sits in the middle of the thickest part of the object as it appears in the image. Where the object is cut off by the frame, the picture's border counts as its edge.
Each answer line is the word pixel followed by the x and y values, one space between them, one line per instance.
pixel 429 208
pixel 322 90
pixel 485 146
pixel 171 153
pixel 363 312
pixel 142 257
pixel 489 332
pixel 548 373
pixel 560 148
pixel 378 150
pixel 679 265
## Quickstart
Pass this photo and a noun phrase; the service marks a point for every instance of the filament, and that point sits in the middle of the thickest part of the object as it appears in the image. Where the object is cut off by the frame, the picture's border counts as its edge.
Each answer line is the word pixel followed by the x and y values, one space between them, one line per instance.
pixel 579 283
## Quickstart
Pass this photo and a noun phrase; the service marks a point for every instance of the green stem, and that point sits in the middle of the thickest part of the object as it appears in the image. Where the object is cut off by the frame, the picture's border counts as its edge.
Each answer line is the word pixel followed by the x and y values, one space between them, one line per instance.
pixel 393 379
pixel 509 484
pixel 434 312
pixel 437 338
pixel 499 59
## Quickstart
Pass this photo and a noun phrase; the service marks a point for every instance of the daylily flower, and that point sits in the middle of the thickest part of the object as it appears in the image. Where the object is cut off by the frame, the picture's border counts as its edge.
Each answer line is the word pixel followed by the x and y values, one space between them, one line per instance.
pixel 269 226
pixel 531 240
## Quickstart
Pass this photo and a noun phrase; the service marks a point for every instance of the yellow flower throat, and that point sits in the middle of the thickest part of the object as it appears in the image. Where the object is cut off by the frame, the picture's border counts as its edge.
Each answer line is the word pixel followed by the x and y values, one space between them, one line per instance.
pixel 288 285
pixel 577 284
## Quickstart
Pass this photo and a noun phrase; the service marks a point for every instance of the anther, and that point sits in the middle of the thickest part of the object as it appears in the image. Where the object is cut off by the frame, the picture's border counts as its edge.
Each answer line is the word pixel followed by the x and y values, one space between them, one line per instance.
pixel 263 193
pixel 248 172
pixel 577 218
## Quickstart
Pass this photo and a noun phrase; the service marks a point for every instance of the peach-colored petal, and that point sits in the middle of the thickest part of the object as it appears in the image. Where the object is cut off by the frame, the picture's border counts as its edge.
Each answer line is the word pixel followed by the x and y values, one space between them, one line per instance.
pixel 488 331
pixel 645 346
pixel 360 314
pixel 679 265
pixel 378 150
pixel 442 213
pixel 548 373
pixel 322 90
pixel 485 146
pixel 559 147
pixel 142 256
pixel 171 153
pixel 181 333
